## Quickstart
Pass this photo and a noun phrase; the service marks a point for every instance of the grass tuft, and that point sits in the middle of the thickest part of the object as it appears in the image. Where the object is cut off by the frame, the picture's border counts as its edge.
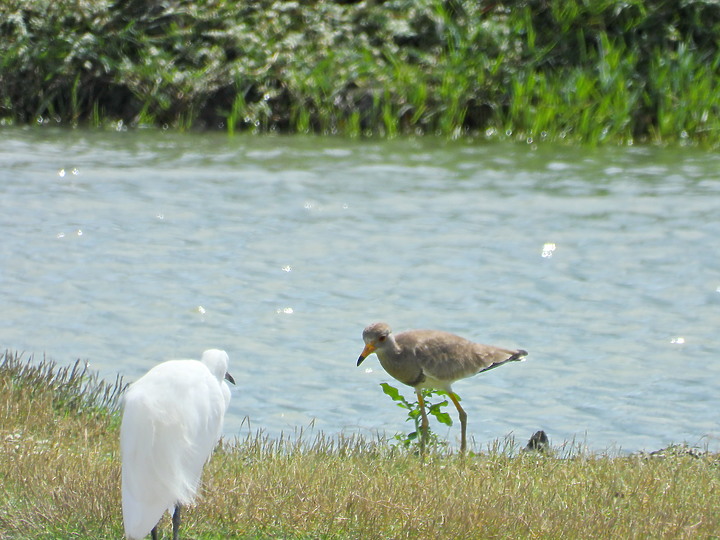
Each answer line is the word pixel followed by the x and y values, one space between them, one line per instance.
pixel 74 389
pixel 58 451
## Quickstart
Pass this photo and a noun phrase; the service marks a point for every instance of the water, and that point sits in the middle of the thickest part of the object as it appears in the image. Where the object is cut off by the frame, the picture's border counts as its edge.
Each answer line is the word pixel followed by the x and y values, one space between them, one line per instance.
pixel 126 249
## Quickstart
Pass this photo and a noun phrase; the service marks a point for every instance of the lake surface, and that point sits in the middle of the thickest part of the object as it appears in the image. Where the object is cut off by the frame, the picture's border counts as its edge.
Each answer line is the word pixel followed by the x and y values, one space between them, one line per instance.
pixel 125 249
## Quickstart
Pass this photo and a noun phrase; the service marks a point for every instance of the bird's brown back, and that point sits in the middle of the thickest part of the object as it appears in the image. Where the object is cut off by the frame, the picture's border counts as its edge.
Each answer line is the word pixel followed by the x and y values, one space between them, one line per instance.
pixel 448 357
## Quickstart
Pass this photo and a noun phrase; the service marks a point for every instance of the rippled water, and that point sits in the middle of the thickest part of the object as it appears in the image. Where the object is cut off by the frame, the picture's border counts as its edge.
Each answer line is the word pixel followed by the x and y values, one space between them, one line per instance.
pixel 126 249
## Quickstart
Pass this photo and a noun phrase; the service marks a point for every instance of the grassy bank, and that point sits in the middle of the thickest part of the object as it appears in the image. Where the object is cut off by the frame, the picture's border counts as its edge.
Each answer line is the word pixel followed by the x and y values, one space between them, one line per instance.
pixel 607 70
pixel 60 471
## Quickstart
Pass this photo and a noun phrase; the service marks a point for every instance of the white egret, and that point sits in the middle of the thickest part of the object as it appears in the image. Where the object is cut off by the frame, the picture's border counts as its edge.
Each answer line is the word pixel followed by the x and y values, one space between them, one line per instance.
pixel 172 420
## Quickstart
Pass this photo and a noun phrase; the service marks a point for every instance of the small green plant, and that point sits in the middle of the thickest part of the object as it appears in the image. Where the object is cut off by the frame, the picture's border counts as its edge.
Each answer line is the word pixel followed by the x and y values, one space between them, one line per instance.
pixel 432 408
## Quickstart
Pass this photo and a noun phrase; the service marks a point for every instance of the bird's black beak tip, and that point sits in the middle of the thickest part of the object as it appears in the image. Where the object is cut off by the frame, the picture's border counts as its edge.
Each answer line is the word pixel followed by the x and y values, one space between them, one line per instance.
pixel 229 378
pixel 360 360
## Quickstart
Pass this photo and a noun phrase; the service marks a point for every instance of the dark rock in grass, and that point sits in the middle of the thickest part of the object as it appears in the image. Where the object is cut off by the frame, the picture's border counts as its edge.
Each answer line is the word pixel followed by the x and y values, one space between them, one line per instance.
pixel 539 442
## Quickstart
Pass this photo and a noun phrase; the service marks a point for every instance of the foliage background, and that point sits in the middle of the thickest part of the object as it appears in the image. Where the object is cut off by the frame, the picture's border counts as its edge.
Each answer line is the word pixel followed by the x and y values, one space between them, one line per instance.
pixel 589 71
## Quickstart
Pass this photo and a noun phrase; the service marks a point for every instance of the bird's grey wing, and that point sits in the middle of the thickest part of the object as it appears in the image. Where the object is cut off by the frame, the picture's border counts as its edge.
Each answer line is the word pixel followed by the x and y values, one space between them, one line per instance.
pixel 447 357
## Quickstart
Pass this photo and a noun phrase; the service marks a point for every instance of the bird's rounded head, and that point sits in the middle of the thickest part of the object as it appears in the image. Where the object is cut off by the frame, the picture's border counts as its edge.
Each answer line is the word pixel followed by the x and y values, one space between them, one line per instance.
pixel 374 336
pixel 217 362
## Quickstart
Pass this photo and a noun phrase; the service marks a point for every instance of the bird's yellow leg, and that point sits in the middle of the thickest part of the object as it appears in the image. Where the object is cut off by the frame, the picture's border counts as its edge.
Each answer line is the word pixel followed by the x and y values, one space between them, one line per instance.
pixel 463 420
pixel 425 424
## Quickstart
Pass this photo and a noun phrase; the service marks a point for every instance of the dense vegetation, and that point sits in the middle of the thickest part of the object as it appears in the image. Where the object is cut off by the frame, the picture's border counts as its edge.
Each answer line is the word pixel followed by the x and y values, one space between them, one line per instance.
pixel 60 471
pixel 591 71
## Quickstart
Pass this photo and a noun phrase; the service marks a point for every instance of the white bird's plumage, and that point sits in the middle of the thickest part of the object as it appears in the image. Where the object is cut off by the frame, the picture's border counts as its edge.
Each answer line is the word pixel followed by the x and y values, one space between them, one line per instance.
pixel 172 420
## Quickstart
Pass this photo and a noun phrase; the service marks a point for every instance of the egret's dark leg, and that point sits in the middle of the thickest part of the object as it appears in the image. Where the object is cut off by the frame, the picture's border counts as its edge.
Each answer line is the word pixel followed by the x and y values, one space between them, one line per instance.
pixel 425 424
pixel 463 420
pixel 176 522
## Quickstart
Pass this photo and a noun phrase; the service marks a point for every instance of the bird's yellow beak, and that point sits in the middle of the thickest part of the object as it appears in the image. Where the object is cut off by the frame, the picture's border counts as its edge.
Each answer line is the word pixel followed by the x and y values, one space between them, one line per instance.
pixel 368 350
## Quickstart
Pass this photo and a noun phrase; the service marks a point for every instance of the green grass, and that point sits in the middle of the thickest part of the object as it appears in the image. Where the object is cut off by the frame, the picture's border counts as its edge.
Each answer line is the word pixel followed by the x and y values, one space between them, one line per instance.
pixel 590 72
pixel 60 471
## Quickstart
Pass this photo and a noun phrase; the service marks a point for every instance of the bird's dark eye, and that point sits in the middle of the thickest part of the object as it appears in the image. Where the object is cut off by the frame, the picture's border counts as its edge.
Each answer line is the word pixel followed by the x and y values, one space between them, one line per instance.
pixel 381 338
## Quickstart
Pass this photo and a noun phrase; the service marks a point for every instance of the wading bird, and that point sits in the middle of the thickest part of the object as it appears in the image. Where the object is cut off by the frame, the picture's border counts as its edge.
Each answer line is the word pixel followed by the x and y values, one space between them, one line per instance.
pixel 172 420
pixel 432 359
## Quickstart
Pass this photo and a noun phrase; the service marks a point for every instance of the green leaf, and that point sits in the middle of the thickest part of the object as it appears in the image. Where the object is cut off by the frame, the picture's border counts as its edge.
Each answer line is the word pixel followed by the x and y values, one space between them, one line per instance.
pixel 443 418
pixel 393 392
pixel 435 407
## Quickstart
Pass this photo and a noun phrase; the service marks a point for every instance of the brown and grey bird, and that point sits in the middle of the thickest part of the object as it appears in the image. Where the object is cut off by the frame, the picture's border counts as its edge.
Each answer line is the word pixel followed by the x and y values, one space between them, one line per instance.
pixel 433 359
